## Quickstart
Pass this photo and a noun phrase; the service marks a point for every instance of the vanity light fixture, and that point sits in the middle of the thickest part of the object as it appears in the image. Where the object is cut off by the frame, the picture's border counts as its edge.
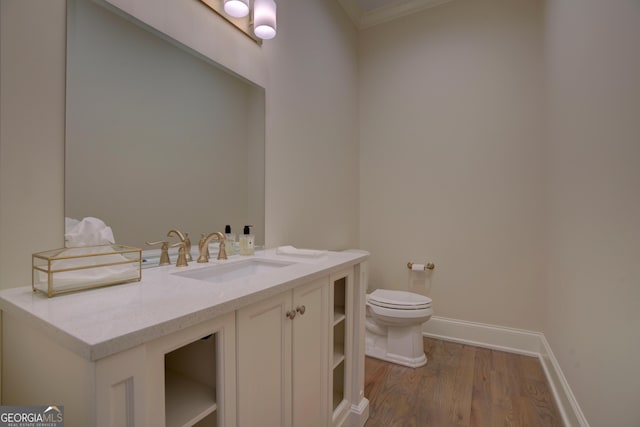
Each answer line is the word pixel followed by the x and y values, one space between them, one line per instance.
pixel 236 8
pixel 264 19
pixel 261 23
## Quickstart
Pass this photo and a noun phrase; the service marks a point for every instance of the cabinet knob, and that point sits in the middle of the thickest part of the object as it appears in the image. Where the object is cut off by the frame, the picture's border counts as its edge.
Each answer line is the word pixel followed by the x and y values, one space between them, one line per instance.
pixel 291 314
pixel 301 309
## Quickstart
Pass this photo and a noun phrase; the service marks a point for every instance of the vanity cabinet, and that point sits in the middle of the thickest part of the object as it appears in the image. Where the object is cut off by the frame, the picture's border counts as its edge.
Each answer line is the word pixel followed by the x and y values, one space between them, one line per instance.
pixel 283 358
pixel 286 349
pixel 176 380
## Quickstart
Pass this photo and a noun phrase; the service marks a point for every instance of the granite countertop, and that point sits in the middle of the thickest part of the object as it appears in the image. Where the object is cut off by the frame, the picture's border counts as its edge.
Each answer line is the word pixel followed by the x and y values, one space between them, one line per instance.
pixel 100 322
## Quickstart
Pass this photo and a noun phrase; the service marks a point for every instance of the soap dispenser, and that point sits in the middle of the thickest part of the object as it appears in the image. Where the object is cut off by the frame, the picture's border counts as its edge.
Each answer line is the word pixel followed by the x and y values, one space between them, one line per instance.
pixel 230 240
pixel 247 241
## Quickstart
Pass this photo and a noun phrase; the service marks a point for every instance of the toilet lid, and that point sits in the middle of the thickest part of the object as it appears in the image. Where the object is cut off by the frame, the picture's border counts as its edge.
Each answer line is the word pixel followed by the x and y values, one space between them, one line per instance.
pixel 400 300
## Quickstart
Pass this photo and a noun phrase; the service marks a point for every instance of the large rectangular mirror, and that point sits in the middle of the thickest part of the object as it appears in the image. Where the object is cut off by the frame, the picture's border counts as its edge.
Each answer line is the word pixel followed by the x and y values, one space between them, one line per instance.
pixel 157 137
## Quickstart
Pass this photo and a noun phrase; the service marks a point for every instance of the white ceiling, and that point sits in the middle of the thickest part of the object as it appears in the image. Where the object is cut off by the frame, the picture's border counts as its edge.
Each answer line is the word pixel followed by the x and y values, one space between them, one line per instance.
pixel 367 13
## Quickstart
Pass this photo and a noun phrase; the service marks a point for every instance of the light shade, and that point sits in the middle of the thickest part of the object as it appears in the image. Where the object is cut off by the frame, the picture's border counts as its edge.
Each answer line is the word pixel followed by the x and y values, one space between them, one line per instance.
pixel 264 19
pixel 236 8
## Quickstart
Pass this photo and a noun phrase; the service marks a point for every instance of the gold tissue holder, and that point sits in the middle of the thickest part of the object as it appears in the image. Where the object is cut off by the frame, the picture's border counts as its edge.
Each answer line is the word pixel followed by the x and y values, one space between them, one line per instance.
pixel 60 271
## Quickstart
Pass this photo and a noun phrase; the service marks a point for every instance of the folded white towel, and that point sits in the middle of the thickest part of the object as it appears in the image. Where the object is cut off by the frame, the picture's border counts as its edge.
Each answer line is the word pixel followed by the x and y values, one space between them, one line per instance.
pixel 292 251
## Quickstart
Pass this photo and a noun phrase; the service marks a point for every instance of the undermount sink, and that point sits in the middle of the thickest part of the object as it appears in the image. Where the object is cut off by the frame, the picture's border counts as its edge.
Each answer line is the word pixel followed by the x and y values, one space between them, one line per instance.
pixel 224 272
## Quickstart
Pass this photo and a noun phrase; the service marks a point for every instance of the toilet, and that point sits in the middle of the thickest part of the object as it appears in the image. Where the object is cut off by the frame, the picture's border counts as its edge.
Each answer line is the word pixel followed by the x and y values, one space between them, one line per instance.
pixel 394 326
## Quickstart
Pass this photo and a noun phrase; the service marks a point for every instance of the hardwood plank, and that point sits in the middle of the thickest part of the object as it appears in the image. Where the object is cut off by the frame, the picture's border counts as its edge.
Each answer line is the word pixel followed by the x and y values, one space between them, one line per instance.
pixel 445 398
pixel 481 396
pixel 459 384
pixel 376 375
pixel 535 399
pixel 396 399
pixel 504 387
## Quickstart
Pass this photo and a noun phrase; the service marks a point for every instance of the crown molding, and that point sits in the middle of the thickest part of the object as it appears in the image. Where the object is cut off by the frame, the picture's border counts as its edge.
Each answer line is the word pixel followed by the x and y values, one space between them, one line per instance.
pixel 393 10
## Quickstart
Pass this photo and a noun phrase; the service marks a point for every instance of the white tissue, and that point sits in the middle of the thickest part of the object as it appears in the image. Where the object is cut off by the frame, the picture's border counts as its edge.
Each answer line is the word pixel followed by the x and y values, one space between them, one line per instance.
pixel 69 223
pixel 292 251
pixel 417 267
pixel 87 232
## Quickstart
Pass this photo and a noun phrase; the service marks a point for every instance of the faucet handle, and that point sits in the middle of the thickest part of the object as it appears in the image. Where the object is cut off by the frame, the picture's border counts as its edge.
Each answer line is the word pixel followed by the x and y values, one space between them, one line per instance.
pixel 203 245
pixel 222 251
pixel 164 251
pixel 182 257
pixel 187 246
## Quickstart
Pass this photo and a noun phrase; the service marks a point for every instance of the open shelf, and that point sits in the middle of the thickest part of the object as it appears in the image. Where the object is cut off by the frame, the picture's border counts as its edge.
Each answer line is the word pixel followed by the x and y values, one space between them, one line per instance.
pixel 339 326
pixel 338 398
pixel 190 384
pixel 186 401
pixel 338 355
pixel 338 384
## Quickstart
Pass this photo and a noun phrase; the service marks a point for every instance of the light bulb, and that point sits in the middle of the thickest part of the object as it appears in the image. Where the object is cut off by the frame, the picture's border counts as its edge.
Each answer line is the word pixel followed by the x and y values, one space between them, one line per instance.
pixel 236 8
pixel 264 19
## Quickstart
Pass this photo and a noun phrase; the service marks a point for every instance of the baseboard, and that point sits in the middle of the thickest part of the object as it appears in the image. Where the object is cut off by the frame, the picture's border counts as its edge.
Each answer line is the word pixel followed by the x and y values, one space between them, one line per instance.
pixel 483 335
pixel 514 341
pixel 359 413
pixel 571 413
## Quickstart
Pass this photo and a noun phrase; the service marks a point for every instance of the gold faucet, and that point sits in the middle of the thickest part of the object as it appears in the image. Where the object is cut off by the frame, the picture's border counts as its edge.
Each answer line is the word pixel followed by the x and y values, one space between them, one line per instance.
pixel 184 238
pixel 204 246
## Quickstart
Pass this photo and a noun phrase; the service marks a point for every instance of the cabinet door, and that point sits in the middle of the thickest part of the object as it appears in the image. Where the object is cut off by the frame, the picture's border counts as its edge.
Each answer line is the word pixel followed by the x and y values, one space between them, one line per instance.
pixel 264 363
pixel 310 355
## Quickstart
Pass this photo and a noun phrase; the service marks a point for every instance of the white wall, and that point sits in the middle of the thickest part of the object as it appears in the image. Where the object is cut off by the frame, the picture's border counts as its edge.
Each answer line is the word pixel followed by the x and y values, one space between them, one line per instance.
pixel 31 133
pixel 32 78
pixel 592 300
pixel 312 152
pixel 450 103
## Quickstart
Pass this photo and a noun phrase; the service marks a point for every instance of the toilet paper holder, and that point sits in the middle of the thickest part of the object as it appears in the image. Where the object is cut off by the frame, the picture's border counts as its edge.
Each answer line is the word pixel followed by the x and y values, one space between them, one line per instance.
pixel 419 267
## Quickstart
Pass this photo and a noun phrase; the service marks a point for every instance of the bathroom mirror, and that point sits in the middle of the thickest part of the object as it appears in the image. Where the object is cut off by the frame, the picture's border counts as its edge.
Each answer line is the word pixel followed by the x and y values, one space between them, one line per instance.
pixel 157 137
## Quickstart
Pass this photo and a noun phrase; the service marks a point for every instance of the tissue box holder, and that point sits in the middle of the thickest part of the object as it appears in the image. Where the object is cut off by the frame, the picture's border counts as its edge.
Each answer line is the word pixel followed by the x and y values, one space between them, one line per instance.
pixel 53 271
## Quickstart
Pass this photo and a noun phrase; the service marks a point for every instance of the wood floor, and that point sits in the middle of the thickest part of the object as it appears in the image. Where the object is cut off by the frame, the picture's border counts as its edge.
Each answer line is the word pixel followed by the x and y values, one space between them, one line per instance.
pixel 461 385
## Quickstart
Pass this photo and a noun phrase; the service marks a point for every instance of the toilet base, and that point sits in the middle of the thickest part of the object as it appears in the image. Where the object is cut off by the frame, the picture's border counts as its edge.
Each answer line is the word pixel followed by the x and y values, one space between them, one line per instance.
pixel 413 362
pixel 403 346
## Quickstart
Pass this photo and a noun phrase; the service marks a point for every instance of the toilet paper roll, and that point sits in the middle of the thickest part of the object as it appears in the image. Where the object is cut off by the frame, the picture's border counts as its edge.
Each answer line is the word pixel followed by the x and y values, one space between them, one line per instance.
pixel 417 267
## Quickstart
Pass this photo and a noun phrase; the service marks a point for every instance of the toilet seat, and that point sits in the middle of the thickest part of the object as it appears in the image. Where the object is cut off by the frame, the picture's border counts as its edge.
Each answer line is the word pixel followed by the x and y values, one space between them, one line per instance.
pixel 398 300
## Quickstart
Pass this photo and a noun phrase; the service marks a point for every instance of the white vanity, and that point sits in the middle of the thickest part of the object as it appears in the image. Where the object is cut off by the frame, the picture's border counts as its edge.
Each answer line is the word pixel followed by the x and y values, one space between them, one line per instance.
pixel 269 340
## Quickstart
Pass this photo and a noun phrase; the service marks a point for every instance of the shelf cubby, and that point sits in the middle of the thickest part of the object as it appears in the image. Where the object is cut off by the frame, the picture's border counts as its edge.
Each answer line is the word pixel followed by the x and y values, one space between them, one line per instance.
pixel 338 315
pixel 338 384
pixel 339 325
pixel 190 384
